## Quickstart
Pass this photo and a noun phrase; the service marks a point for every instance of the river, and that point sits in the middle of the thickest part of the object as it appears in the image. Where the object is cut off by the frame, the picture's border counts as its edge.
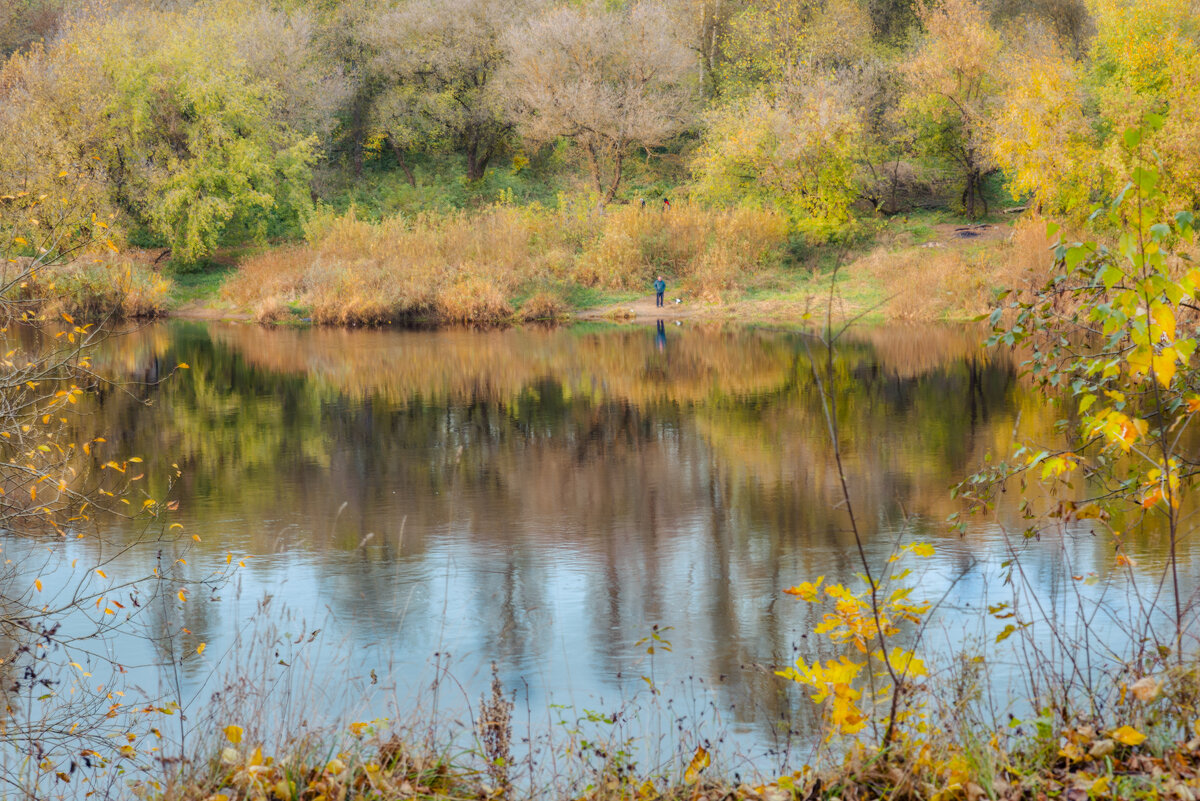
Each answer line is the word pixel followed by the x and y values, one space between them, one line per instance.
pixel 411 506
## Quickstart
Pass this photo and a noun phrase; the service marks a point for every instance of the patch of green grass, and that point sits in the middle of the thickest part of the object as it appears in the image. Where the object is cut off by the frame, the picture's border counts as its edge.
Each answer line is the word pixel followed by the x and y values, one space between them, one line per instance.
pixel 383 189
pixel 586 297
pixel 201 286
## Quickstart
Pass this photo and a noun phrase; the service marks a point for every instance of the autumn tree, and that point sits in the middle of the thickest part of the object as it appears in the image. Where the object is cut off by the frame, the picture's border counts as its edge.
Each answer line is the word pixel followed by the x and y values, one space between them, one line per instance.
pixel 782 41
pixel 704 26
pixel 605 80
pixel 953 83
pixel 798 150
pixel 437 61
pixel 1146 62
pixel 23 22
pixel 1039 134
pixel 190 125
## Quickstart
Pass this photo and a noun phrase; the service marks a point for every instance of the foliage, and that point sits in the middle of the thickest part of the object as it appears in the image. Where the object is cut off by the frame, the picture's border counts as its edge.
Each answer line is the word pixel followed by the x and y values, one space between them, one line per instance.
pixel 438 61
pixel 164 115
pixel 193 147
pixel 798 151
pixel 1146 60
pixel 1124 354
pixel 605 80
pixel 880 673
pixel 1039 135
pixel 953 82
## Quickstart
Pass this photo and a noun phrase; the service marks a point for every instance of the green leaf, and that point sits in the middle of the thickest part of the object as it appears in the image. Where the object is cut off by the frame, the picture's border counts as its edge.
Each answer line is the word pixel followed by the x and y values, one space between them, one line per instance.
pixel 1146 179
pixel 1110 276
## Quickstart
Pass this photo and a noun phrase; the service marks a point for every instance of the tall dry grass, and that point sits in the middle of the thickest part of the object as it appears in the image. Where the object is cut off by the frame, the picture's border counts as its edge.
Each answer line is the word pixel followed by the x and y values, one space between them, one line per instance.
pixel 466 267
pixel 93 287
pixel 960 278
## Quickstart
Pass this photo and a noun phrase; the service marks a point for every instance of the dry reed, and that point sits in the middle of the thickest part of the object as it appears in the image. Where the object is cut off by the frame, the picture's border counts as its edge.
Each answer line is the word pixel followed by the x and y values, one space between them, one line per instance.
pixel 465 267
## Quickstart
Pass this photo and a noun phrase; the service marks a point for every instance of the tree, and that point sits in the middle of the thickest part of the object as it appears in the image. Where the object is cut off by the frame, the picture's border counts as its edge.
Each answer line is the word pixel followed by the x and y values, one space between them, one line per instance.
pixel 436 62
pixel 164 107
pixel 605 80
pixel 706 23
pixel 798 150
pixel 953 82
pixel 1146 61
pixel 783 41
pixel 1039 134
pixel 23 22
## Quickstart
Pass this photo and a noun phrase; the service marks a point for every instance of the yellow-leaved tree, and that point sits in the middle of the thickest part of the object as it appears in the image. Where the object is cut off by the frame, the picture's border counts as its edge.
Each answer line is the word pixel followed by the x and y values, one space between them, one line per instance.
pixel 87 549
pixel 797 148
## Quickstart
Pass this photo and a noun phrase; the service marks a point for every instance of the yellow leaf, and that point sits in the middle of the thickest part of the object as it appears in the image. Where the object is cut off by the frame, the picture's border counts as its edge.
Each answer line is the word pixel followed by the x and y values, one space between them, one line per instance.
pixel 38 583
pixel 806 590
pixel 700 761
pixel 1127 735
pixel 200 648
pixel 233 734
pixel 101 574
pixel 184 366
pixel 922 549
pixel 1164 366
pixel 1164 318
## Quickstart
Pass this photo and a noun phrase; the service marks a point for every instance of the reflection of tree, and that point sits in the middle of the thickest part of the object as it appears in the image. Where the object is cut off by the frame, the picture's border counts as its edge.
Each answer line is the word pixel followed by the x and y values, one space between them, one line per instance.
pixel 689 491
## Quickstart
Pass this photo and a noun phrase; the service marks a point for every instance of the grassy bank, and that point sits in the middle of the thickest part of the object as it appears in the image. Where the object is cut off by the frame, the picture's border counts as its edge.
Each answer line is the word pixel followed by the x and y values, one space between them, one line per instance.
pixel 97 286
pixel 506 264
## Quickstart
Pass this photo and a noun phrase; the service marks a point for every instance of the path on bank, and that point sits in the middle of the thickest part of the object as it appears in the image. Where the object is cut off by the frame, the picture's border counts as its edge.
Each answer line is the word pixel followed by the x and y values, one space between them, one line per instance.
pixel 642 310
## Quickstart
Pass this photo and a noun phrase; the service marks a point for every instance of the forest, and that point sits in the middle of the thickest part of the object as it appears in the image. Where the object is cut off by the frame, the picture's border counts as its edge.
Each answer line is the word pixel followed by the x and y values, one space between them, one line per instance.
pixel 380 137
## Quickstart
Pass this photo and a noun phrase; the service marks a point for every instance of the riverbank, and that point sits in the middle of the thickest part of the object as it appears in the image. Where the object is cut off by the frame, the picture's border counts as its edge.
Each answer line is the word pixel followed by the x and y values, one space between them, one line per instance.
pixel 513 265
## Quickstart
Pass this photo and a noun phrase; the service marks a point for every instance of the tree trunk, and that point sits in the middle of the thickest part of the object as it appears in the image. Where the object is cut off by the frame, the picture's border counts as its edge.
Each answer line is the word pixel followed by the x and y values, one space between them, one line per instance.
pixel 618 165
pixel 594 162
pixel 399 152
pixel 476 162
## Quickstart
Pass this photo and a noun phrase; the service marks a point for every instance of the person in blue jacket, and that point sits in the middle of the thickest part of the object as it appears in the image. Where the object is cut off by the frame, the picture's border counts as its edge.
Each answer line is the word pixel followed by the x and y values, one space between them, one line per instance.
pixel 660 286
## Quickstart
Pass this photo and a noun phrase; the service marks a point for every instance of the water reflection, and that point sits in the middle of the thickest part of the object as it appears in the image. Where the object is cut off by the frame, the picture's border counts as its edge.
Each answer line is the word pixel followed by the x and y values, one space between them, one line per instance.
pixel 542 497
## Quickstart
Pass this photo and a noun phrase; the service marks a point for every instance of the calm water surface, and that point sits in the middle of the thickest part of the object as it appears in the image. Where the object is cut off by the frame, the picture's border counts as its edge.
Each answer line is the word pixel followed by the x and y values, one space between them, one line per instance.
pixel 544 498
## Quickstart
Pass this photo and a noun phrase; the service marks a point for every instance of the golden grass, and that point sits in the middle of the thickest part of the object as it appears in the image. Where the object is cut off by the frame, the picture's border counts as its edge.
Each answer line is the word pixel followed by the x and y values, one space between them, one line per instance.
pixel 958 279
pixel 465 267
pixel 545 305
pixel 91 287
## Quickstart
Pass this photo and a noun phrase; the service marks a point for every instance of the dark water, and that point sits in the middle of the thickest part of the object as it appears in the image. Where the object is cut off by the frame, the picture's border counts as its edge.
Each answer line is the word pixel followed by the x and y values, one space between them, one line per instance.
pixel 544 498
